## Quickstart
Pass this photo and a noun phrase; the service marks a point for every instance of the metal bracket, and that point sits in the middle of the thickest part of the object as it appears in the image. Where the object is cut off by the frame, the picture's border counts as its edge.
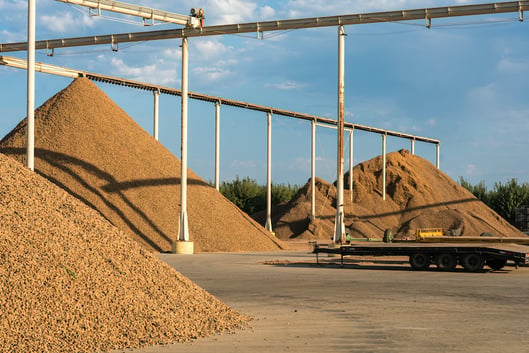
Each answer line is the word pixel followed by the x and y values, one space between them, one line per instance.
pixel 90 13
pixel 520 14
pixel 151 18
pixel 428 22
pixel 114 46
pixel 48 52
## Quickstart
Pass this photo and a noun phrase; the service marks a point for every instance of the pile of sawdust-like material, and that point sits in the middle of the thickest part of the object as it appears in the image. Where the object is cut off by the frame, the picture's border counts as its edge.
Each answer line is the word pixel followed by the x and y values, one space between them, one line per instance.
pixel 91 148
pixel 418 195
pixel 72 282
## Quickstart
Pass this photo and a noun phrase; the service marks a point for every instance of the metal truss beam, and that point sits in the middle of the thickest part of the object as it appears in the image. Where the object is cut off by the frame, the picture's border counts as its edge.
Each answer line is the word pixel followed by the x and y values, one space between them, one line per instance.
pixel 259 27
pixel 135 10
pixel 67 72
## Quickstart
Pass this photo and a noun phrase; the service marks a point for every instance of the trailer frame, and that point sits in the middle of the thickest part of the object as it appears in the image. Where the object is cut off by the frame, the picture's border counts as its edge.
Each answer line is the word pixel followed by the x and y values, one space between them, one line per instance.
pixel 472 256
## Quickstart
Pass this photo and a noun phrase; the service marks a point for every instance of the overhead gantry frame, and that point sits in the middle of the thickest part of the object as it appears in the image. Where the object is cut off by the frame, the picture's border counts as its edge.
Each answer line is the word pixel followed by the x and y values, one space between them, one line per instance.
pixel 426 14
pixel 218 101
pixel 146 13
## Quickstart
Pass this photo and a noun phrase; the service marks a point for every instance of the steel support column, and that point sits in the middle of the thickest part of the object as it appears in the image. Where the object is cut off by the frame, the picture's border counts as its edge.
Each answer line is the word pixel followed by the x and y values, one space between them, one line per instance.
pixel 351 163
pixel 268 224
pixel 412 146
pixel 438 156
pixel 339 227
pixel 313 172
pixel 156 113
pixel 384 137
pixel 217 146
pixel 183 231
pixel 30 158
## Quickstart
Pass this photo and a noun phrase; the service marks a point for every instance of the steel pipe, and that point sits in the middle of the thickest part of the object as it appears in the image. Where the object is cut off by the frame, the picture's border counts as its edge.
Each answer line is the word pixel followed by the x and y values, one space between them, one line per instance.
pixel 280 25
pixel 322 121
pixel 30 134
pixel 339 227
pixel 268 224
pixel 135 10
pixel 351 163
pixel 183 233
pixel 217 146
pixel 384 167
pixel 438 156
pixel 156 113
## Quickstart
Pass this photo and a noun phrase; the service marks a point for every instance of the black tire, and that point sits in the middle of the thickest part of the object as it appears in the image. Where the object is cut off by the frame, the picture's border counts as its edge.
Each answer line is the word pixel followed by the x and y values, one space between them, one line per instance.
pixel 496 264
pixel 388 236
pixel 446 262
pixel 420 261
pixel 472 262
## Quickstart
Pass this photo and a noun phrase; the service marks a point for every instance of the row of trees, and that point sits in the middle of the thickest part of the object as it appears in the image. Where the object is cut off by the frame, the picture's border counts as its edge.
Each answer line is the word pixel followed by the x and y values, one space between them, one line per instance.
pixel 503 198
pixel 251 197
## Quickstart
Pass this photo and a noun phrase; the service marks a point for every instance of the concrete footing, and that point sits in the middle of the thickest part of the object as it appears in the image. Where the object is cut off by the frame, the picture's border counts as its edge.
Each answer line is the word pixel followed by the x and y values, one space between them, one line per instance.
pixel 183 247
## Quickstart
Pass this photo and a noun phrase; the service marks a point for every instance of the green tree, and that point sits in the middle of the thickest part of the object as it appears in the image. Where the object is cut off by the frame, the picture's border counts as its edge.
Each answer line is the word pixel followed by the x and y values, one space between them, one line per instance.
pixel 251 197
pixel 244 193
pixel 505 198
pixel 479 190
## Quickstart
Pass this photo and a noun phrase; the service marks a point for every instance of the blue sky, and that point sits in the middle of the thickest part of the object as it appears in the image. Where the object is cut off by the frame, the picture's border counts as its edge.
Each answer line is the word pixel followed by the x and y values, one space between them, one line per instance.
pixel 464 81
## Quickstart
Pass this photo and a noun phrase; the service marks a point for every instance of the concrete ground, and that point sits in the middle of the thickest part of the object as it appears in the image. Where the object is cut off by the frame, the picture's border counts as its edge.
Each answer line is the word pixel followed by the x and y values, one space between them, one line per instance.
pixel 368 306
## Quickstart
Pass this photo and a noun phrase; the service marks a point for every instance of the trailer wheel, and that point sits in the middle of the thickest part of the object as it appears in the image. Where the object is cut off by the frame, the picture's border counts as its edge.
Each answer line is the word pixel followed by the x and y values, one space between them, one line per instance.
pixel 420 261
pixel 496 263
pixel 473 262
pixel 446 262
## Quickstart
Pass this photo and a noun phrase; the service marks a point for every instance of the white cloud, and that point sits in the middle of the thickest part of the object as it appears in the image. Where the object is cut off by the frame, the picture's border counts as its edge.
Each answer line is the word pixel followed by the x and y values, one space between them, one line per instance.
pixel 175 54
pixel 266 12
pixel 513 67
pixel 13 5
pixel 285 86
pixel 349 114
pixel 65 22
pixel 243 164
pixel 208 49
pixel 480 95
pixel 471 169
pixel 229 11
pixel 148 73
pixel 10 37
pixel 308 8
pixel 431 122
pixel 212 73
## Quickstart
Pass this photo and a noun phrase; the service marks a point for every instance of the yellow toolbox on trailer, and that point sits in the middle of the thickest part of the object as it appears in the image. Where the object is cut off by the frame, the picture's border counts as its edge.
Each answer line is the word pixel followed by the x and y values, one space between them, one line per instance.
pixel 429 232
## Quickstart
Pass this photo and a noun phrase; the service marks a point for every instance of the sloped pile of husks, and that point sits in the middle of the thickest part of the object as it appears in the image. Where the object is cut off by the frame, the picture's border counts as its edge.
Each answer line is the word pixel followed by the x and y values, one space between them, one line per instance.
pixel 72 282
pixel 91 148
pixel 418 195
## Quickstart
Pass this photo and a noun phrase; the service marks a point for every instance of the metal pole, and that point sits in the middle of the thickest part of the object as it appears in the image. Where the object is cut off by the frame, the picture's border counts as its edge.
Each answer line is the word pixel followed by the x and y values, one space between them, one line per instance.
pixel 217 145
pixel 156 114
pixel 438 163
pixel 413 146
pixel 313 172
pixel 351 163
pixel 268 224
pixel 30 158
pixel 384 166
pixel 183 233
pixel 339 227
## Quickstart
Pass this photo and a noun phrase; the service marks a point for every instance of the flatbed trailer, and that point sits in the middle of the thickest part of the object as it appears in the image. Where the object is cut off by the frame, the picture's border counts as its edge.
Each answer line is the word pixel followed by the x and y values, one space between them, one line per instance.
pixel 472 256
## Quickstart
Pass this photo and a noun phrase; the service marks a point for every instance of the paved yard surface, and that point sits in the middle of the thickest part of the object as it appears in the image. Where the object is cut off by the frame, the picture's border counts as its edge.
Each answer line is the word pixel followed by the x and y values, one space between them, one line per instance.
pixel 369 305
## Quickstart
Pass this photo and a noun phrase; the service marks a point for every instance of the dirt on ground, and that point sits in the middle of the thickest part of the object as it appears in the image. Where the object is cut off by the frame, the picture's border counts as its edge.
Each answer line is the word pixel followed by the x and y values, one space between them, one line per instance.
pixel 91 148
pixel 72 282
pixel 418 195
